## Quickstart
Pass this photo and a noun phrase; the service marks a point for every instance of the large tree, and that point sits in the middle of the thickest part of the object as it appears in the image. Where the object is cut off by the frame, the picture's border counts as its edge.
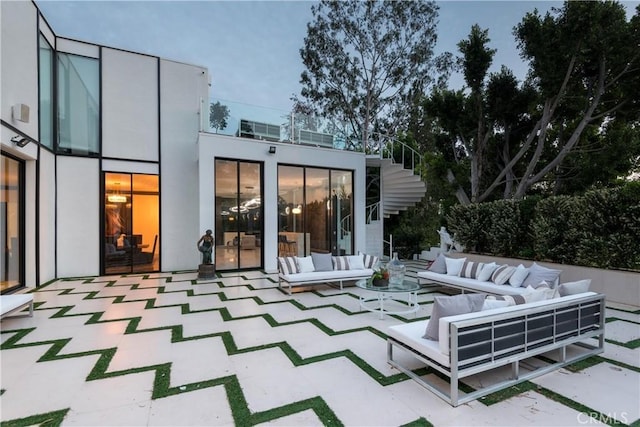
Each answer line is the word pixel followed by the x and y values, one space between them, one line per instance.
pixel 364 58
pixel 580 96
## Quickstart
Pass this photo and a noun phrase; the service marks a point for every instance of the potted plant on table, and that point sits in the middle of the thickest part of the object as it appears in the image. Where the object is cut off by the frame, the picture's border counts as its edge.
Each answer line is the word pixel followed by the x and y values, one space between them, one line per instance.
pixel 380 277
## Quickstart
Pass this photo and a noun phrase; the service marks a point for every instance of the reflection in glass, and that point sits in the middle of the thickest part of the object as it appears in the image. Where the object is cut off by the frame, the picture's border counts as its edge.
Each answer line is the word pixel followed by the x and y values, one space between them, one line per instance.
pixel 10 224
pixel 239 214
pixel 78 104
pixel 315 211
pixel 45 77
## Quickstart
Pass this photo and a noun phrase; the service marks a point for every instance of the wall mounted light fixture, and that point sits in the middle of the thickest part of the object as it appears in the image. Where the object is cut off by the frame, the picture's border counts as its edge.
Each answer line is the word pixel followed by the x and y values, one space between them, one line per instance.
pixel 272 149
pixel 20 140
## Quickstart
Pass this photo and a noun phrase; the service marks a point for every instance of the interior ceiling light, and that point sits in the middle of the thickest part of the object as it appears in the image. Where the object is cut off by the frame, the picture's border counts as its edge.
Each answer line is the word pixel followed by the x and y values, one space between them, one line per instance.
pixel 297 210
pixel 116 197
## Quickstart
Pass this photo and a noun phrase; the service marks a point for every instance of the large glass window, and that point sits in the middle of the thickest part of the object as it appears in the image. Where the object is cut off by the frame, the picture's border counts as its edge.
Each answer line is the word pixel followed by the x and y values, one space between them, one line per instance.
pixel 11 231
pixel 46 93
pixel 78 104
pixel 238 214
pixel 315 211
pixel 132 223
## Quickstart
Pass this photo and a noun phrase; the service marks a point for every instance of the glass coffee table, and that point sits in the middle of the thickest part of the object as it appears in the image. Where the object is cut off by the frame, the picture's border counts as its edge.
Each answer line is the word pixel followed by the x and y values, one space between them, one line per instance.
pixel 392 296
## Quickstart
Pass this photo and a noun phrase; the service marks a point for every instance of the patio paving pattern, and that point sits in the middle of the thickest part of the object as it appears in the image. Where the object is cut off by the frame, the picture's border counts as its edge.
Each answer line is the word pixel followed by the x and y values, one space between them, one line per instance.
pixel 166 349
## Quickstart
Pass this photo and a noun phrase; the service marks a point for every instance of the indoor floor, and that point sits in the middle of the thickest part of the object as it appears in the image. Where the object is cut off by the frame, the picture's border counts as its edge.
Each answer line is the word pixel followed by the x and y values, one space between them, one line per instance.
pixel 168 349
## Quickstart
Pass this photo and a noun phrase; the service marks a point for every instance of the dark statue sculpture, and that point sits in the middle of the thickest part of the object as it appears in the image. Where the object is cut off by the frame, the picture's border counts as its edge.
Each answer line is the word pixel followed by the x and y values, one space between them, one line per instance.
pixel 206 247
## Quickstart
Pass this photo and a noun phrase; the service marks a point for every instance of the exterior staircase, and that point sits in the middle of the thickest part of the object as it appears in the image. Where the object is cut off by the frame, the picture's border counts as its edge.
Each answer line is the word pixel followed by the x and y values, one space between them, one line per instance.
pixel 401 188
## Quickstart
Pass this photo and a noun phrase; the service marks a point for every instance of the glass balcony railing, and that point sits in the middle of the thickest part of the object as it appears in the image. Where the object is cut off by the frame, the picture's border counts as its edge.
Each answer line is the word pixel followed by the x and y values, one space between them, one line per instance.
pixel 270 124
pixel 274 125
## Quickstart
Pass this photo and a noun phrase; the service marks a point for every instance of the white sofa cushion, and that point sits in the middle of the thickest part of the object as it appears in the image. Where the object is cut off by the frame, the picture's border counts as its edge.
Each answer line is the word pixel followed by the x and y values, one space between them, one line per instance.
pixel 487 271
pixel 319 276
pixel 305 264
pixel 454 265
pixel 411 334
pixel 356 262
pixel 518 276
pixel 572 288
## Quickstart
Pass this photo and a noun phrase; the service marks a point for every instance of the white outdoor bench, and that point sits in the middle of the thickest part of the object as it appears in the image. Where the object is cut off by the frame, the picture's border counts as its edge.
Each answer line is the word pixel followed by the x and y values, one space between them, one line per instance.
pixel 10 304
pixel 319 277
pixel 477 342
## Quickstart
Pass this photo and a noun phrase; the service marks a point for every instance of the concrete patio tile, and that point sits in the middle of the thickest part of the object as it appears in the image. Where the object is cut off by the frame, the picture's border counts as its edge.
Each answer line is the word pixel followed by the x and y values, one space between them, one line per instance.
pixel 206 407
pixel 606 388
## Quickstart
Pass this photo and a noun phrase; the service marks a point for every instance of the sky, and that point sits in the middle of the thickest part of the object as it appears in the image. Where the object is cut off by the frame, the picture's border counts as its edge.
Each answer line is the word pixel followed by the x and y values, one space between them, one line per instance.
pixel 251 48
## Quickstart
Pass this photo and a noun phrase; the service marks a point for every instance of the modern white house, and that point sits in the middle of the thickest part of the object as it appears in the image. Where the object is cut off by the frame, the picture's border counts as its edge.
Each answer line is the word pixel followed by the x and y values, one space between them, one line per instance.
pixel 108 167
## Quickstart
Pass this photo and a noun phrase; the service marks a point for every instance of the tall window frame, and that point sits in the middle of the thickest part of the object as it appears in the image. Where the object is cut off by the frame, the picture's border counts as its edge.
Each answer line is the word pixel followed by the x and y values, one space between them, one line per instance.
pixel 131 223
pixel 315 210
pixel 78 105
pixel 46 83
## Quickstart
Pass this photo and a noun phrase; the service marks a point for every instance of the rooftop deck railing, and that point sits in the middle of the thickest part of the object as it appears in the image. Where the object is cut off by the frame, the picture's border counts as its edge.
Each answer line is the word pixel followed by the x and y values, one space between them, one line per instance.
pixel 275 125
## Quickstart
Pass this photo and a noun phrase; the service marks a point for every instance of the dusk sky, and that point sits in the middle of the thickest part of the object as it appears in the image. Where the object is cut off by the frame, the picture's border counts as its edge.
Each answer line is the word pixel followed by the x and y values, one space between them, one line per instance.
pixel 251 48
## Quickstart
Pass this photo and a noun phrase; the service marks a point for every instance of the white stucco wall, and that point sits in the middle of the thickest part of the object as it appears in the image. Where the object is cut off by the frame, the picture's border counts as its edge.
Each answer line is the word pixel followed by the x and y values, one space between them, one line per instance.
pixel 78 216
pixel 129 105
pixel 182 88
pixel 212 146
pixel 47 224
pixel 19 65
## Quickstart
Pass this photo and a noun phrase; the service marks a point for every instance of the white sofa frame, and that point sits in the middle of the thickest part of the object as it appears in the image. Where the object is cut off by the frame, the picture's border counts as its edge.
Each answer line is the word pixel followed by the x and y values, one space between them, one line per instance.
pixel 10 304
pixel 465 284
pixel 322 277
pixel 483 342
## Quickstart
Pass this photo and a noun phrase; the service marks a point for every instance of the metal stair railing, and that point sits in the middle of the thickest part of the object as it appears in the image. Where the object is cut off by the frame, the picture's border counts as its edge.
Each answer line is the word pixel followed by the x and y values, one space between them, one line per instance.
pixel 385 146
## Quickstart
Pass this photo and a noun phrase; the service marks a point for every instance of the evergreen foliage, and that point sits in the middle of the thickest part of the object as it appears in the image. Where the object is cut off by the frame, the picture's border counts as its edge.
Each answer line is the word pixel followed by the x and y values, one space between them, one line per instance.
pixel 600 228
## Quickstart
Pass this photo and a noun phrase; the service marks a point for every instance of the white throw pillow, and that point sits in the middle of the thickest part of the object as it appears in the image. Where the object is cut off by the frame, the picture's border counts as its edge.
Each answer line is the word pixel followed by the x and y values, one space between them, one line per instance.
pixel 518 276
pixel 540 293
pixel 454 265
pixel 494 303
pixel 572 288
pixel 305 264
pixel 356 262
pixel 487 271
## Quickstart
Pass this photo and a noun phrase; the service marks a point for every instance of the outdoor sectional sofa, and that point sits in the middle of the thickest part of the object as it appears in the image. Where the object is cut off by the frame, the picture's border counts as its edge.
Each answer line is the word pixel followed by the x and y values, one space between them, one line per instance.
pixel 480 341
pixel 323 268
pixel 501 280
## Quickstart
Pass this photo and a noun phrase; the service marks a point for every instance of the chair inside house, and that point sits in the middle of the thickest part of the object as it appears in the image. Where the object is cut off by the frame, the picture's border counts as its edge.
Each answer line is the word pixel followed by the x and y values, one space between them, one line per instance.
pixel 114 256
pixel 248 241
pixel 146 257
pixel 285 247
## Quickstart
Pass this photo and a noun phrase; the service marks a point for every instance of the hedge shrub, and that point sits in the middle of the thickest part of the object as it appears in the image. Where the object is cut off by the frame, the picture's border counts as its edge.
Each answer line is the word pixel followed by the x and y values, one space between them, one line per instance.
pixel 599 229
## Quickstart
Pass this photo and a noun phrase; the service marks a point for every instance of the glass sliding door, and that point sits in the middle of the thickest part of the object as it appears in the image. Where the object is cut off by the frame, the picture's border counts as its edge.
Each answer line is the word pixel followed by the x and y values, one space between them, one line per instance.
pixel 341 211
pixel 131 223
pixel 239 214
pixel 11 224
pixel 291 239
pixel 315 211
